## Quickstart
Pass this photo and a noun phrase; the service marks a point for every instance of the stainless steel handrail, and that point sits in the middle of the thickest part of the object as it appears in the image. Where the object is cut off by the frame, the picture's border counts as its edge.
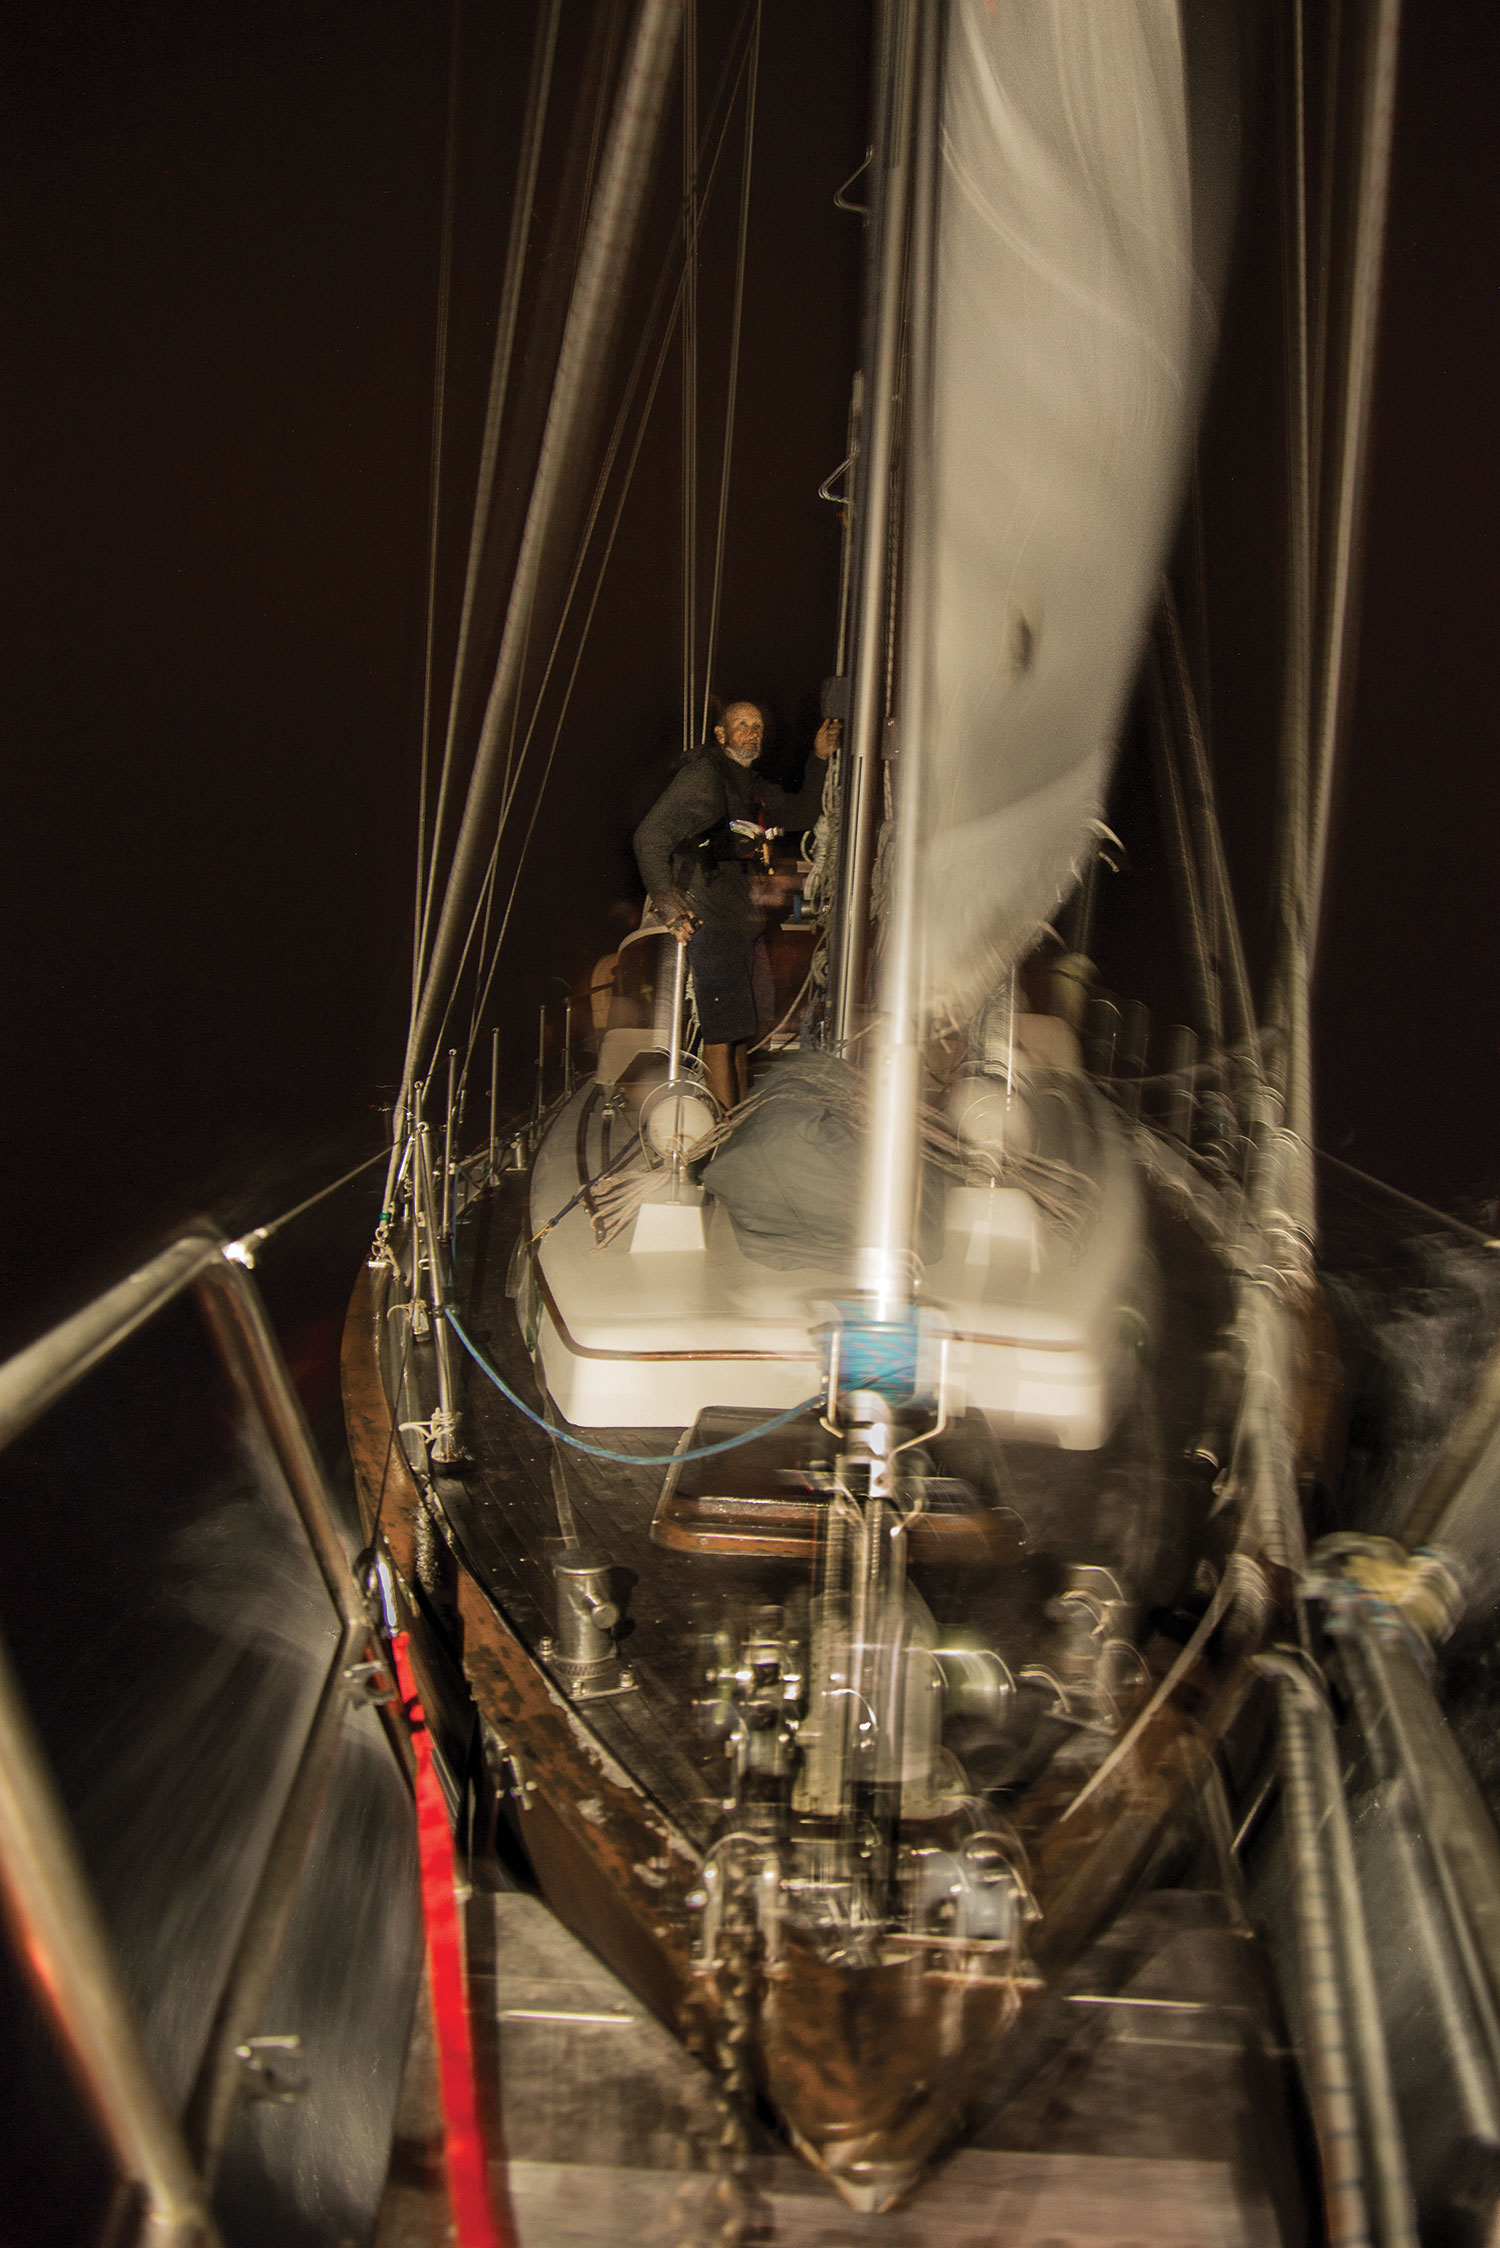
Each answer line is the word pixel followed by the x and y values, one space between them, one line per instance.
pixel 48 1368
pixel 63 1940
pixel 64 1945
pixel 211 2107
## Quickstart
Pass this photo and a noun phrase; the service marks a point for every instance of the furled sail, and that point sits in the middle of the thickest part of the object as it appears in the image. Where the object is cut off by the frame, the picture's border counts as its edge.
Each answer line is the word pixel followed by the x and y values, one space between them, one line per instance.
pixel 1067 326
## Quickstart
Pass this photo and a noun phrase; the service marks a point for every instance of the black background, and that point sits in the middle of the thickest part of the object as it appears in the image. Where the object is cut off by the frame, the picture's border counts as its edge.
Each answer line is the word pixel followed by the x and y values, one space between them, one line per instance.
pixel 222 251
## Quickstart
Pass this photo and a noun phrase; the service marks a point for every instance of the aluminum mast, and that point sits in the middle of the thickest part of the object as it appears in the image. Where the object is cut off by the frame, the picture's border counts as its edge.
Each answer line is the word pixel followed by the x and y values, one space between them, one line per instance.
pixel 890 174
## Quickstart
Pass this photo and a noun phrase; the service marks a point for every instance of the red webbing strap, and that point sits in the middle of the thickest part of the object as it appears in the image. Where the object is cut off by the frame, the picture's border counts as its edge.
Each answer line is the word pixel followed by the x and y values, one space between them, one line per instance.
pixel 475 2224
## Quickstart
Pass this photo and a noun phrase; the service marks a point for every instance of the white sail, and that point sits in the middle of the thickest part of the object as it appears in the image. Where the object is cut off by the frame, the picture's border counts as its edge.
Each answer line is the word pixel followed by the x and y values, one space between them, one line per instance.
pixel 1063 357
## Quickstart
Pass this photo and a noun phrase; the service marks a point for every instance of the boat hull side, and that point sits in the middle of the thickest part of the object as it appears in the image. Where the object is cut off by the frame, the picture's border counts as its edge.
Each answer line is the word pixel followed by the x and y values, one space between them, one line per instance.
pixel 609 1863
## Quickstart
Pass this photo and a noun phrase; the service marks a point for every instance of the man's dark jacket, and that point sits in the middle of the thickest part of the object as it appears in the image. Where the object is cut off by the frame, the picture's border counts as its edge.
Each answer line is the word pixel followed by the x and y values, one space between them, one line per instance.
pixel 708 790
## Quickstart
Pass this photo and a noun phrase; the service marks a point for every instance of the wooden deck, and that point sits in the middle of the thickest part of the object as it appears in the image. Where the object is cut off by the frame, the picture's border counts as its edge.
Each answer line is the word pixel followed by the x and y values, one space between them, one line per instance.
pixel 1158 2105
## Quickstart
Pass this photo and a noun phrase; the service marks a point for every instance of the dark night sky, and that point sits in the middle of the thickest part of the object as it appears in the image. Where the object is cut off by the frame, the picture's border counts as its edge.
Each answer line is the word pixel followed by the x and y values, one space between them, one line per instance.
pixel 221 244
pixel 1410 1027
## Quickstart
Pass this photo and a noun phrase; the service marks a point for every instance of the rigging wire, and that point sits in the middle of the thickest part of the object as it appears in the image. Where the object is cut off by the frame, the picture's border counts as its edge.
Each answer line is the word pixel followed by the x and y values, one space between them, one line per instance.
pixel 719 125
pixel 513 760
pixel 1202 801
pixel 589 328
pixel 1203 964
pixel 1322 590
pixel 480 924
pixel 1281 1187
pixel 751 82
pixel 728 81
pixel 435 476
pixel 1371 209
pixel 606 39
pixel 480 1003
pixel 486 900
pixel 1202 652
pixel 489 973
pixel 1332 40
pixel 501 361
pixel 720 115
pixel 1300 496
pixel 1472 1233
pixel 262 1233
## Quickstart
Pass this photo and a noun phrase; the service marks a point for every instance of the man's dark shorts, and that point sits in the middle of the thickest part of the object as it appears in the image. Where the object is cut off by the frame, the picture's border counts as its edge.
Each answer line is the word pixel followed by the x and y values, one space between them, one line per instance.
pixel 723 969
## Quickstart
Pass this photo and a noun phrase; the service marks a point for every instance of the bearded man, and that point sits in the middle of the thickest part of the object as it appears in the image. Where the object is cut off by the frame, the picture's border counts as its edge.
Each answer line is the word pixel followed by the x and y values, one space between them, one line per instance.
pixel 697 848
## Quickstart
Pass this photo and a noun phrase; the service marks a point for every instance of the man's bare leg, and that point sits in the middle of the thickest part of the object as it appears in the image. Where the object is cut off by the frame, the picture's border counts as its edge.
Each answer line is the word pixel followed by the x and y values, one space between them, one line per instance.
pixel 719 1067
pixel 742 1069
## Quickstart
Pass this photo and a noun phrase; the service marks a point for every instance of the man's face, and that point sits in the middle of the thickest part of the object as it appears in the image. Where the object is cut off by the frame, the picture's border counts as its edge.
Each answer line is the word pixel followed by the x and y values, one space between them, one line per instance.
pixel 742 733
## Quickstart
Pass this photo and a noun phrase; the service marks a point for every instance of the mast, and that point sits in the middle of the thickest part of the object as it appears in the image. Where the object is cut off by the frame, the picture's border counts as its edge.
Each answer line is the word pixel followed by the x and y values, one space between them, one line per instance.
pixel 885 1265
pixel 890 173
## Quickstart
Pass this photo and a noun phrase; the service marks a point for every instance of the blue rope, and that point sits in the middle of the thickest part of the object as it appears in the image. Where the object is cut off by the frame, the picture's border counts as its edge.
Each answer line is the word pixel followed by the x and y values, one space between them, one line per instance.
pixel 625 1459
pixel 878 1354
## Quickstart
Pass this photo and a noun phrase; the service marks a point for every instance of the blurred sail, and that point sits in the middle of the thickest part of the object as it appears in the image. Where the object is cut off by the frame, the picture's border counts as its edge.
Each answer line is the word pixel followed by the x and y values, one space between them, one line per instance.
pixel 1067 328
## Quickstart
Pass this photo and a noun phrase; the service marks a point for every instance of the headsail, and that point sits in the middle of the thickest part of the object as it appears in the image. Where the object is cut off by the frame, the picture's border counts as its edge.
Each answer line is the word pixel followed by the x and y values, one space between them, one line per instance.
pixel 1063 360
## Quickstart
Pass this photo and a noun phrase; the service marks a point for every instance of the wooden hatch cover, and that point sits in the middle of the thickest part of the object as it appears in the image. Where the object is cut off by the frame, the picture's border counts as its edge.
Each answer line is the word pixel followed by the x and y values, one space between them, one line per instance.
pixel 767 1498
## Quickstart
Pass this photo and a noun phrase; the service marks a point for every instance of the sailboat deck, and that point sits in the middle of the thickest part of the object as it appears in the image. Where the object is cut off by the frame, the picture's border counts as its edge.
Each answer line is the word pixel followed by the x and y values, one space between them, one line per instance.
pixel 525 1492
pixel 656 1335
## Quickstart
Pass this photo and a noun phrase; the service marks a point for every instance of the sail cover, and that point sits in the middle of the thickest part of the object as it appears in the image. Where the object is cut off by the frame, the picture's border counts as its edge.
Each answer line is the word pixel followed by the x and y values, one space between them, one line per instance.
pixel 1066 328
